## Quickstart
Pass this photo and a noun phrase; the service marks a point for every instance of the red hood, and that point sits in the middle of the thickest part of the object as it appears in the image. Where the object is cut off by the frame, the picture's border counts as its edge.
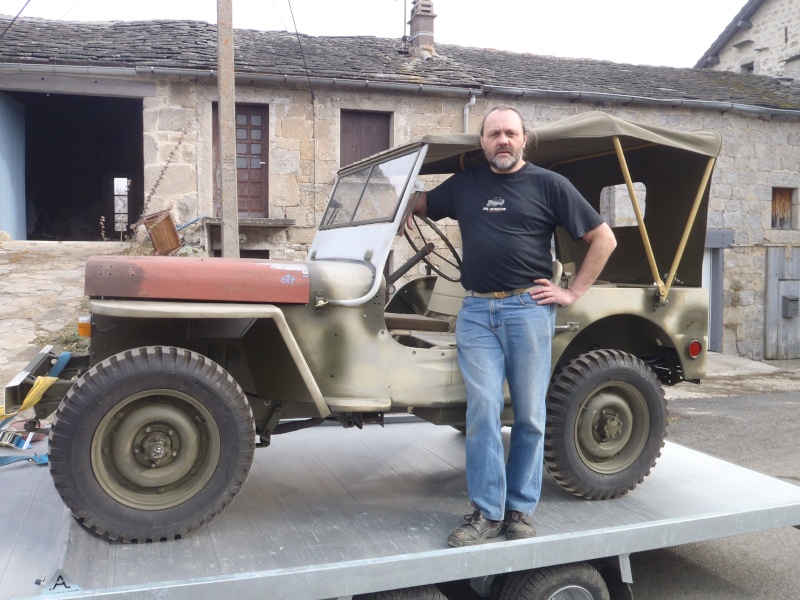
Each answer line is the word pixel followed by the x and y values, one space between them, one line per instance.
pixel 197 279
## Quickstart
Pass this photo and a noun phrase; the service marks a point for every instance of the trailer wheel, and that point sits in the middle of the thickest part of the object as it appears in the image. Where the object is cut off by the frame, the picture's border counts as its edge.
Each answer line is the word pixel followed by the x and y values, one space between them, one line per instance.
pixel 578 581
pixel 425 592
pixel 151 443
pixel 606 424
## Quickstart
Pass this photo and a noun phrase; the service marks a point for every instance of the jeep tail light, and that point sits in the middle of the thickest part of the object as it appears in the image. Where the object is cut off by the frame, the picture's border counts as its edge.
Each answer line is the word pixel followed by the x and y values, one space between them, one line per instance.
pixel 85 326
pixel 695 348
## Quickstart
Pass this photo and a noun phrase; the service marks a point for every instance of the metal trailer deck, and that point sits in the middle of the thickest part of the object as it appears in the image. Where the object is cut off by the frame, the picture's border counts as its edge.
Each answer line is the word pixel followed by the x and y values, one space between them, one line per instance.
pixel 330 512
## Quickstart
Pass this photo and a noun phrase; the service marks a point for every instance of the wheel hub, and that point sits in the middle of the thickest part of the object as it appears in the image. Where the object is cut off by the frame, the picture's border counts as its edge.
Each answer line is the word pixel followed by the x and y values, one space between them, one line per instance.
pixel 156 448
pixel 608 426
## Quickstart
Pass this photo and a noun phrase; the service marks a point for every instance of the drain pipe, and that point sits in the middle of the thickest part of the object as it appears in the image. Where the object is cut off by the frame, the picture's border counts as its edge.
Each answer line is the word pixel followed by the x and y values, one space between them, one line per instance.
pixel 467 106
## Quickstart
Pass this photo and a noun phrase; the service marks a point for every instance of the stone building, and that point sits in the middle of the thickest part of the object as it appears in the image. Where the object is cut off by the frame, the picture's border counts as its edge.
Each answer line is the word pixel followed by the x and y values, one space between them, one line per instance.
pixel 116 120
pixel 763 38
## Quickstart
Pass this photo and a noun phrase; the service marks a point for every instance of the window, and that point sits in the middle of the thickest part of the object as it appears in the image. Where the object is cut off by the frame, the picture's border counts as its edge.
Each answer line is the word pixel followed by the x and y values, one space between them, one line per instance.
pixel 616 207
pixel 363 134
pixel 784 208
pixel 747 68
pixel 121 187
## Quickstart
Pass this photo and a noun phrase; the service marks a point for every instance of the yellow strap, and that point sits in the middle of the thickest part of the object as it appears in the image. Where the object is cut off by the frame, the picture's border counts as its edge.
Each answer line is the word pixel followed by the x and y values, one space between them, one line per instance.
pixel 40 386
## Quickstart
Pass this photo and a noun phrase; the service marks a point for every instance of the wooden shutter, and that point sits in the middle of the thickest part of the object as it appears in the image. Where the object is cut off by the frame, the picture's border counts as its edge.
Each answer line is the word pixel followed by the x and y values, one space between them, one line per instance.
pixel 363 134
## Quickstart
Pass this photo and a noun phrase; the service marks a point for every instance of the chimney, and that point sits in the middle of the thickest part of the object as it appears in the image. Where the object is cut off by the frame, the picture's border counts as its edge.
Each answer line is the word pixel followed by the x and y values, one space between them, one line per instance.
pixel 421 40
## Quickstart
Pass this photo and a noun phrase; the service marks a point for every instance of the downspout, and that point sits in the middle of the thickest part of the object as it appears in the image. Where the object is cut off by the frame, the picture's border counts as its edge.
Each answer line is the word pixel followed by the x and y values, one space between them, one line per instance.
pixel 467 106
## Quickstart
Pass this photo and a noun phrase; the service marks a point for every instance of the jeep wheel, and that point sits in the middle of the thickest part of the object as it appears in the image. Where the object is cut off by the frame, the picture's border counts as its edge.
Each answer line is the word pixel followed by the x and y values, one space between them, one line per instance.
pixel 578 581
pixel 606 424
pixel 152 443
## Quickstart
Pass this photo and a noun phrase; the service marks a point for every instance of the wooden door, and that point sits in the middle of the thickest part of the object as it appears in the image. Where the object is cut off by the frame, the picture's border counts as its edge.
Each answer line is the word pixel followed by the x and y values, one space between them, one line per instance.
pixel 251 161
pixel 782 337
pixel 252 179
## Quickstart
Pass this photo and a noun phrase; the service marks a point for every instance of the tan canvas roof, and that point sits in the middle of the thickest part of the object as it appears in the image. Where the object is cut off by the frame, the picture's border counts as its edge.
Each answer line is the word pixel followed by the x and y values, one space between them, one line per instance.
pixel 580 135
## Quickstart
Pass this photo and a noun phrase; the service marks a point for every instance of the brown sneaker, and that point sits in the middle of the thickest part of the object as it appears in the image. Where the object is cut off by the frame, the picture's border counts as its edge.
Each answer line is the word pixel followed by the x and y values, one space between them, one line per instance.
pixel 519 526
pixel 477 529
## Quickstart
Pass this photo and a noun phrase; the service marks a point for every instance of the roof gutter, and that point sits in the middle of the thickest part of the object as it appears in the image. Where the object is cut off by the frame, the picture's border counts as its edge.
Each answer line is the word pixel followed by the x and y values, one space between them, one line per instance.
pixel 626 99
pixel 332 82
pixel 67 70
pixel 411 88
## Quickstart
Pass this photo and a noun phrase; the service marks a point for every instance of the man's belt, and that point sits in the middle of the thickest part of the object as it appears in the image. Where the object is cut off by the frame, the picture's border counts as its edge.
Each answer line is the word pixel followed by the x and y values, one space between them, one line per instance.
pixel 516 292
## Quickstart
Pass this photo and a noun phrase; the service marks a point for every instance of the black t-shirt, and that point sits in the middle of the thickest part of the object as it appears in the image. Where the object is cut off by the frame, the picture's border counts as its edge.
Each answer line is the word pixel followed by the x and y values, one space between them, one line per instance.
pixel 507 222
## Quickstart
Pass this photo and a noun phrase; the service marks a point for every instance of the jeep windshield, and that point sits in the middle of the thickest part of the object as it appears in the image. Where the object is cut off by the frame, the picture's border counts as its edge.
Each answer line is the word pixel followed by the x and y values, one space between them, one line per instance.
pixel 370 194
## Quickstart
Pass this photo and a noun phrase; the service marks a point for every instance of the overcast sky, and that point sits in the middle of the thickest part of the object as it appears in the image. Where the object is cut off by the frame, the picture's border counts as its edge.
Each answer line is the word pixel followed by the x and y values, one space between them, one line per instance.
pixel 657 32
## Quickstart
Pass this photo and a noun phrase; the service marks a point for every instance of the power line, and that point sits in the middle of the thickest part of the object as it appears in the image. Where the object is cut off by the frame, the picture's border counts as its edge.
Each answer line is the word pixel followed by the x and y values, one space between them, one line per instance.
pixel 14 19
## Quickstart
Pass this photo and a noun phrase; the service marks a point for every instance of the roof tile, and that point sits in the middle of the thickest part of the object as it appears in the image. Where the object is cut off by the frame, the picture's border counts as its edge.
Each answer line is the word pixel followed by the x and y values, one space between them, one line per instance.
pixel 192 45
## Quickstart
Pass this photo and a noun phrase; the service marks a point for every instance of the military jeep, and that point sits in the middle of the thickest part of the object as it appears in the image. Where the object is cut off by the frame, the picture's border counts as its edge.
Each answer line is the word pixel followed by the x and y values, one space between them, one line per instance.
pixel 196 361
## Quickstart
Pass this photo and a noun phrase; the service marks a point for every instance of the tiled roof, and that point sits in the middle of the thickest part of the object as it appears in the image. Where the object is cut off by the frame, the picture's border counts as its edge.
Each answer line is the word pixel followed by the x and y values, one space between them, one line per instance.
pixel 192 45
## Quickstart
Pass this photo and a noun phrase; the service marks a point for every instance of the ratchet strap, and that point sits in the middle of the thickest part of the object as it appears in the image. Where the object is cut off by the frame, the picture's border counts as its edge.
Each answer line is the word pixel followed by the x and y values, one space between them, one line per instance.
pixel 36 459
pixel 40 386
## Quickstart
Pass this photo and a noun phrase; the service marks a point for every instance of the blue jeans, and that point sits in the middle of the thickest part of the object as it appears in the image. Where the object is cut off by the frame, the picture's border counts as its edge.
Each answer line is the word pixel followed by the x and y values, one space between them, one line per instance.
pixel 498 340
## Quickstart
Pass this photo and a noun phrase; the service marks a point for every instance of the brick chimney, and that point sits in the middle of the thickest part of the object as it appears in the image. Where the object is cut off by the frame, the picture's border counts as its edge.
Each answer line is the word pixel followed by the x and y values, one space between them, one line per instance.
pixel 421 40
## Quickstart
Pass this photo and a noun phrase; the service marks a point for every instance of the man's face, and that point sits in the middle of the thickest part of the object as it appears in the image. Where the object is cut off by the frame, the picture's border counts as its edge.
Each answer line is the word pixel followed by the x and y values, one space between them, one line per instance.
pixel 503 141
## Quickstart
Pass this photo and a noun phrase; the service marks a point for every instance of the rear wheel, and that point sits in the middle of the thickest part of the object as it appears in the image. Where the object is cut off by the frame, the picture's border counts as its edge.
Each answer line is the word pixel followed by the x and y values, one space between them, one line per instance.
pixel 578 581
pixel 606 424
pixel 152 443
pixel 425 592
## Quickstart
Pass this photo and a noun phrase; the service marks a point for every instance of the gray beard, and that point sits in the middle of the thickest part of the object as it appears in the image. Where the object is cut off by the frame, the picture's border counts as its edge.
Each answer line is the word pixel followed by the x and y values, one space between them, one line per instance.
pixel 504 164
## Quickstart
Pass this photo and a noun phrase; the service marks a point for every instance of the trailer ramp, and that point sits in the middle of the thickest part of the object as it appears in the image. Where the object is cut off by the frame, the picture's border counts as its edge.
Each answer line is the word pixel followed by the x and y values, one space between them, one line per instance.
pixel 329 512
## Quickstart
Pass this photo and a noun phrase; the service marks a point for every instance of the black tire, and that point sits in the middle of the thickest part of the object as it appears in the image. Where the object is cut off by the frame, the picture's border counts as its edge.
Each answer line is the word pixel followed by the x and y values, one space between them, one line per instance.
pixel 151 444
pixel 425 592
pixel 578 581
pixel 606 424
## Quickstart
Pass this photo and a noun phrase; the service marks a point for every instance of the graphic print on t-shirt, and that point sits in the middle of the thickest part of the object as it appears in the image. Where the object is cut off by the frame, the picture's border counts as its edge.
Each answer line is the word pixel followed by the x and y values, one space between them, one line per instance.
pixel 495 204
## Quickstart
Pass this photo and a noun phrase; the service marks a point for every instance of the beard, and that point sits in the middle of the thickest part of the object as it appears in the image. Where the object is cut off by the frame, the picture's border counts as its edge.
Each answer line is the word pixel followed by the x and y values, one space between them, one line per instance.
pixel 505 162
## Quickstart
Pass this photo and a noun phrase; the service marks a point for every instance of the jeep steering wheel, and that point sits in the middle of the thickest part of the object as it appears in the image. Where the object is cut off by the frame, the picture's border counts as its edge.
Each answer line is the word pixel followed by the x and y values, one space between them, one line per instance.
pixel 453 259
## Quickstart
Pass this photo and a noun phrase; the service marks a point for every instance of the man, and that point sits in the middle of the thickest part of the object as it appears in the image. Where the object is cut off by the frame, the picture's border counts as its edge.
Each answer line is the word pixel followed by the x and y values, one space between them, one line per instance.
pixel 507 212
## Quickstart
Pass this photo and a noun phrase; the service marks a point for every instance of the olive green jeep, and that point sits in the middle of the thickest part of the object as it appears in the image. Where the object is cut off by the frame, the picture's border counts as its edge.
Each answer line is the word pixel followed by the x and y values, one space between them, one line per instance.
pixel 196 361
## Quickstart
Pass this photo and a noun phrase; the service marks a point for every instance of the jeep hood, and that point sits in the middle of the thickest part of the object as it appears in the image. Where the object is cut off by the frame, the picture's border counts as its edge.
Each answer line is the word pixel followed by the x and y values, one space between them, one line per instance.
pixel 197 279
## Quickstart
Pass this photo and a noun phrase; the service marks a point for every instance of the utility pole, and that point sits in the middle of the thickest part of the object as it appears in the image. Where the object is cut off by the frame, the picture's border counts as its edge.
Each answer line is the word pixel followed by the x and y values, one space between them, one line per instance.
pixel 227 129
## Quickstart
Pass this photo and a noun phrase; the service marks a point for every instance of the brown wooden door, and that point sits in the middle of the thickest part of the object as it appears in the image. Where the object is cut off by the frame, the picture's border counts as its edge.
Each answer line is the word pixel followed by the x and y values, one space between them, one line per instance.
pixel 363 134
pixel 252 142
pixel 251 160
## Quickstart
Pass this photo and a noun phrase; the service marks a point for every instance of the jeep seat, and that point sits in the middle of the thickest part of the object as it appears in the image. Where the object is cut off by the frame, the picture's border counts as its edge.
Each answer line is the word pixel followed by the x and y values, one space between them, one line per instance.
pixel 441 313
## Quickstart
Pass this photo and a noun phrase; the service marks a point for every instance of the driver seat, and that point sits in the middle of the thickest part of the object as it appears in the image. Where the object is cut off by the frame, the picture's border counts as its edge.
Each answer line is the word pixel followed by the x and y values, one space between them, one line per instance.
pixel 443 306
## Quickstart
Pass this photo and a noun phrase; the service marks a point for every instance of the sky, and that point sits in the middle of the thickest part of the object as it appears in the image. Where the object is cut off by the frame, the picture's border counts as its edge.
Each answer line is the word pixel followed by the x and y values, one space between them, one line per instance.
pixel 672 33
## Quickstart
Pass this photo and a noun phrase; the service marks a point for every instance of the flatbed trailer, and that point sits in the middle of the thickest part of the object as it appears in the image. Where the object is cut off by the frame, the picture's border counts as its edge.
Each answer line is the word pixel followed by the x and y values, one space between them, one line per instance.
pixel 329 513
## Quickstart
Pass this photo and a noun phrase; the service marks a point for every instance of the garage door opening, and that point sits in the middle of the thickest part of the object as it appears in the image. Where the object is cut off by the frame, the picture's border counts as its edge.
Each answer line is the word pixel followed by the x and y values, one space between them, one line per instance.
pixel 84 169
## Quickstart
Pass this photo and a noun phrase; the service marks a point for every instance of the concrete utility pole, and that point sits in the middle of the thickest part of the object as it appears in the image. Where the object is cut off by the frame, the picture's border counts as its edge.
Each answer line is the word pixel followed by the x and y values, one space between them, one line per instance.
pixel 227 129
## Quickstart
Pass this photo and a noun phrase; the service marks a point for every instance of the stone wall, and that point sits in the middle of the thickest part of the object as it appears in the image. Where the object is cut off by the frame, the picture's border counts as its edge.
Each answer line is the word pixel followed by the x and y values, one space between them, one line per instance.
pixel 757 155
pixel 773 38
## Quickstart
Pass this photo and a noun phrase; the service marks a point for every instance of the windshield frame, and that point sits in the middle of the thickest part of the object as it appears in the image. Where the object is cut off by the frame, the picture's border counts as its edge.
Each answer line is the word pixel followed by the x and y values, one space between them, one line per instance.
pixel 376 178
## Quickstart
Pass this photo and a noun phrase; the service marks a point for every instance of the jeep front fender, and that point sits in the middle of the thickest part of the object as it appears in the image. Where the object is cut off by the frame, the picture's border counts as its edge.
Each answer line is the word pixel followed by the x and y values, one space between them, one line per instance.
pixel 201 310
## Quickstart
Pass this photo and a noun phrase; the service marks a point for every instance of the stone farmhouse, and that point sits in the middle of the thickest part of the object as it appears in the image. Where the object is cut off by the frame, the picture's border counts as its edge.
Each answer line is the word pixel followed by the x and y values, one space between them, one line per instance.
pixel 763 38
pixel 116 120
